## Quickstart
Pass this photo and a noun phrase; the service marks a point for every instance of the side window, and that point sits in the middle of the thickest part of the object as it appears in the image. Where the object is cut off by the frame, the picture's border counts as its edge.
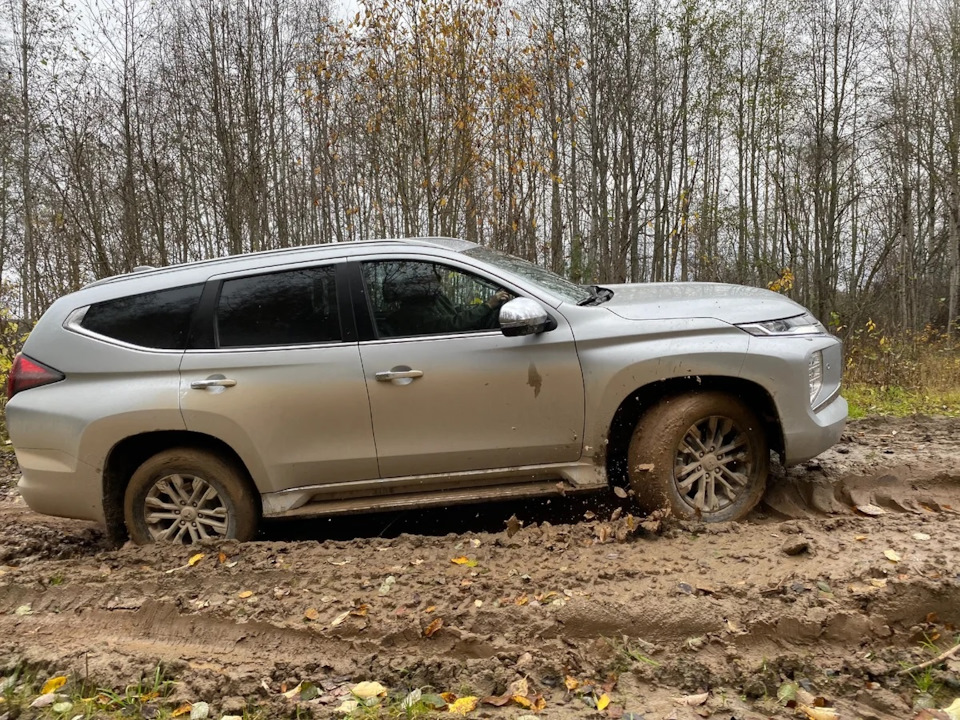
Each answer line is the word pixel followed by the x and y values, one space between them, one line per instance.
pixel 409 297
pixel 293 307
pixel 159 320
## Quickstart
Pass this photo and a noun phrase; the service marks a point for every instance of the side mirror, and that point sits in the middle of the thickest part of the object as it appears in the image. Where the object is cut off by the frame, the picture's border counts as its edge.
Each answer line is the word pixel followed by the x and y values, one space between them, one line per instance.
pixel 523 316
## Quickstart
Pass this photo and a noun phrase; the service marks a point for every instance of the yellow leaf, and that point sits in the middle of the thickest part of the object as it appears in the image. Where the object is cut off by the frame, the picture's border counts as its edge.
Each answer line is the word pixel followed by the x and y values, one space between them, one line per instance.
pixel 182 710
pixel 53 684
pixel 819 713
pixel 431 609
pixel 572 683
pixel 311 614
pixel 449 697
pixel 522 600
pixel 290 694
pixel 195 559
pixel 245 594
pixel 222 557
pixel 602 702
pixel 891 555
pixel 433 627
pixel 522 701
pixel 861 538
pixel 462 560
pixel 368 689
pixel 463 705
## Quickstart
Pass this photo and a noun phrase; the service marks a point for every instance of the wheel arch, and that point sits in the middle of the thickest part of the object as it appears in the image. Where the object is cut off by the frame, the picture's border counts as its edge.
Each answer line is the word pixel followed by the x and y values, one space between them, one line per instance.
pixel 131 452
pixel 637 402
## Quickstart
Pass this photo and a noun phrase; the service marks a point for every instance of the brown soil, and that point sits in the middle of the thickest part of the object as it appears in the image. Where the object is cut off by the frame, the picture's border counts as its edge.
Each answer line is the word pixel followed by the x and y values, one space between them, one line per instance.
pixel 649 612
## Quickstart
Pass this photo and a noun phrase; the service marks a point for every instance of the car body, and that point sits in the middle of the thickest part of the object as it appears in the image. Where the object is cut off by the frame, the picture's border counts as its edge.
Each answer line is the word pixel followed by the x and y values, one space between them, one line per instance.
pixel 301 373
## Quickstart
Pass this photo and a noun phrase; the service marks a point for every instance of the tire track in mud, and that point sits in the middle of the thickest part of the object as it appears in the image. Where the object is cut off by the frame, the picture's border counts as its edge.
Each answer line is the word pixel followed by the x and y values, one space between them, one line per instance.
pixel 712 606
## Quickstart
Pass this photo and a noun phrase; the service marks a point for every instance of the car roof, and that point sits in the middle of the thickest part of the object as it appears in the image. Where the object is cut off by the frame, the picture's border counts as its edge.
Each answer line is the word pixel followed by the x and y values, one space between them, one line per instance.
pixel 290 254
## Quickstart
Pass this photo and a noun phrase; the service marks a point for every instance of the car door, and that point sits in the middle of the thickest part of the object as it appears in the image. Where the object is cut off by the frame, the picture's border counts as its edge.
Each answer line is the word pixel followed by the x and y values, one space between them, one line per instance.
pixel 448 391
pixel 282 384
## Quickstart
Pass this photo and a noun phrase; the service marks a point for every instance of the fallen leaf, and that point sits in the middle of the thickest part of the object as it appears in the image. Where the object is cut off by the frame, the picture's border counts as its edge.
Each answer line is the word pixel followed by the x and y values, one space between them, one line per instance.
pixel 818 713
pixel 44 700
pixel 199 711
pixel 62 708
pixel 53 684
pixel 433 627
pixel 920 536
pixel 23 610
pixel 368 689
pixel 891 555
pixel 412 698
pixel 347 707
pixel 602 702
pixel 463 560
pixel 513 526
pixel 522 701
pixel 787 692
pixel 221 557
pixel 430 609
pixel 694 700
pixel 340 618
pixel 195 559
pixel 311 614
pixel 620 492
pixel 448 697
pixel 496 700
pixel 388 583
pixel 434 702
pixel 522 600
pixel 878 582
pixel 871 509
pixel 182 710
pixel 290 694
pixel 462 706
pixel 953 710
pixel 861 538
pixel 244 594
pixel 360 610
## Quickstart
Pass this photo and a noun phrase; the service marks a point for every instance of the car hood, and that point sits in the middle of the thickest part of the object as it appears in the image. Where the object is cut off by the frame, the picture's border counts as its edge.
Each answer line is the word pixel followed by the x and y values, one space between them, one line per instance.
pixel 729 303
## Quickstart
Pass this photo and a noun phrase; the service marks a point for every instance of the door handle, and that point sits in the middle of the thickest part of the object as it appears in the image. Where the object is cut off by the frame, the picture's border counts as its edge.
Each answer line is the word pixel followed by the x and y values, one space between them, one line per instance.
pixel 212 382
pixel 388 375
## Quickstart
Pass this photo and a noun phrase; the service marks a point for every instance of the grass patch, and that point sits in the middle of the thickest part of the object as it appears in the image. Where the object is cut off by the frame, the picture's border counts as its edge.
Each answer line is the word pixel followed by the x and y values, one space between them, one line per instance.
pixel 897 401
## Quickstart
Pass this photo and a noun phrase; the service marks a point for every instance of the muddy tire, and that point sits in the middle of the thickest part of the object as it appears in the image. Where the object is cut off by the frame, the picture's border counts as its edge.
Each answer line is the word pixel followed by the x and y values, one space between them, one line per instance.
pixel 184 495
pixel 704 456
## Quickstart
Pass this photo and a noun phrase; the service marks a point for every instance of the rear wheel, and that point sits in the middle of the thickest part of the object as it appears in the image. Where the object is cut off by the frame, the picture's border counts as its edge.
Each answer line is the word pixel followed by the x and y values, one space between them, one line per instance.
pixel 185 495
pixel 704 455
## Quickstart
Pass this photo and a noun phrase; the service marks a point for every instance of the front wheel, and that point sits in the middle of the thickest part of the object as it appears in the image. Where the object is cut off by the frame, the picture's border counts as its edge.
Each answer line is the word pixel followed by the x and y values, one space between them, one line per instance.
pixel 184 495
pixel 704 455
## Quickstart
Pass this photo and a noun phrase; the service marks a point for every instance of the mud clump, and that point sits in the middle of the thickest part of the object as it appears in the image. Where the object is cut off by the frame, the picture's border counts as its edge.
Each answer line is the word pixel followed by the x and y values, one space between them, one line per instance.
pixel 841 579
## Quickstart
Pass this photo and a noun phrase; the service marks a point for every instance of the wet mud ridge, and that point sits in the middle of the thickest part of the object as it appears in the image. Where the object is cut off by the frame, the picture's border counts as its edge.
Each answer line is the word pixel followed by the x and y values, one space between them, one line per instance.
pixel 848 574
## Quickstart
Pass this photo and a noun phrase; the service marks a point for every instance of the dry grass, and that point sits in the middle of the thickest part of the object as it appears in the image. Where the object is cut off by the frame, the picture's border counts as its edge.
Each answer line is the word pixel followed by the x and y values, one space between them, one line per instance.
pixel 901 374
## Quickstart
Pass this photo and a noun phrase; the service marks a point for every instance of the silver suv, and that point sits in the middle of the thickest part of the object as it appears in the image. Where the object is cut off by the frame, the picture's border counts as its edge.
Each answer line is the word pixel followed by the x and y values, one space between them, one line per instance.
pixel 187 402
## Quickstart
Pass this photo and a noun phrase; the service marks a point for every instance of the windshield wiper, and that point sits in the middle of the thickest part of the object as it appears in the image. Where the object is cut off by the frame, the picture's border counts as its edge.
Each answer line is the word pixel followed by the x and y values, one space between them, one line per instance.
pixel 598 295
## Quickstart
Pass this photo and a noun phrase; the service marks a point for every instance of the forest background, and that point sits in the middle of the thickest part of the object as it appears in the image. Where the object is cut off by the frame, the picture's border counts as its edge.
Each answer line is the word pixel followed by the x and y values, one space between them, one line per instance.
pixel 809 146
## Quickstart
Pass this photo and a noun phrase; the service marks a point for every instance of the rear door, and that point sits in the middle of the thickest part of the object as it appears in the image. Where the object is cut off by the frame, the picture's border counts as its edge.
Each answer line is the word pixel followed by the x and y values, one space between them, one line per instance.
pixel 282 383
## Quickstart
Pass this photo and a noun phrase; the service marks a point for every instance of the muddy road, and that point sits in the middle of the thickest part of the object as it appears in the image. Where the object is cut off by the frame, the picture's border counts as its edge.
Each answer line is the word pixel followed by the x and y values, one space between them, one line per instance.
pixel 847 574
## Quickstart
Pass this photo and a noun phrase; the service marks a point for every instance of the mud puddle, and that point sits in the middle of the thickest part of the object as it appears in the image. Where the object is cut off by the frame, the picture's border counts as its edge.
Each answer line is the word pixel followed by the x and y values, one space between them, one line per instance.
pixel 847 574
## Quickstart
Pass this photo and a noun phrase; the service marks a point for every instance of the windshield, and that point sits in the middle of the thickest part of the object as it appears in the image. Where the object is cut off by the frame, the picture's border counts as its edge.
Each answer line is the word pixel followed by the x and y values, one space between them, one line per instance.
pixel 541 277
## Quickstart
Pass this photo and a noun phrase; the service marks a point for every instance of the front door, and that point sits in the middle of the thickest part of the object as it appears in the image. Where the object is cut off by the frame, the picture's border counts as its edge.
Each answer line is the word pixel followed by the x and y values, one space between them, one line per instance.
pixel 448 391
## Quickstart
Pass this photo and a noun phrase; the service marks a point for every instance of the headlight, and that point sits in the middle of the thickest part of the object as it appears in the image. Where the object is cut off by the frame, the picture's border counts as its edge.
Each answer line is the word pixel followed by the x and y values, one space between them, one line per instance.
pixel 815 375
pixel 805 324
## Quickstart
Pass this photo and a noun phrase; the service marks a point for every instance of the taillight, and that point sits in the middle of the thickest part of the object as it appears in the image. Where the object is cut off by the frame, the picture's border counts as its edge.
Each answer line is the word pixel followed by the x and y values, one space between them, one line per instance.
pixel 26 373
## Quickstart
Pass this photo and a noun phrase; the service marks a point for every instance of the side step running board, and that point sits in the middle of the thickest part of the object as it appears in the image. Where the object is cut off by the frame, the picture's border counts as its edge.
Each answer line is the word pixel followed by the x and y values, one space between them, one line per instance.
pixel 430 499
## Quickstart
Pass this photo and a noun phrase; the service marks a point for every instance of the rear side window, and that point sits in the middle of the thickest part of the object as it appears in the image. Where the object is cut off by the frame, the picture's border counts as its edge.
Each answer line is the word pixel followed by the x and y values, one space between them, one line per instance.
pixel 158 320
pixel 293 307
